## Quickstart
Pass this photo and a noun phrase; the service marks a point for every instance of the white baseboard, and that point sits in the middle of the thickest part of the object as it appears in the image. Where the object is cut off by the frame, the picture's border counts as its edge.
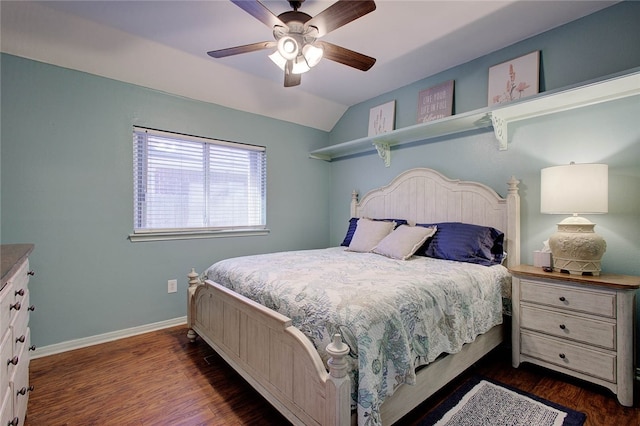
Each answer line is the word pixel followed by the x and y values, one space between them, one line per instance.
pixel 106 337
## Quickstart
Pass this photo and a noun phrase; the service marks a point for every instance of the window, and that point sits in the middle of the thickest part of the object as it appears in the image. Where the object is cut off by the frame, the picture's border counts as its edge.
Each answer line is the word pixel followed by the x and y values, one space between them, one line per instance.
pixel 190 187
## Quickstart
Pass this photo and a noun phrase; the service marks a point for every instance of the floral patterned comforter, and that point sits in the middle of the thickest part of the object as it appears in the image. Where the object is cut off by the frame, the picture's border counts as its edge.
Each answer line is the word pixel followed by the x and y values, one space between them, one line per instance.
pixel 395 315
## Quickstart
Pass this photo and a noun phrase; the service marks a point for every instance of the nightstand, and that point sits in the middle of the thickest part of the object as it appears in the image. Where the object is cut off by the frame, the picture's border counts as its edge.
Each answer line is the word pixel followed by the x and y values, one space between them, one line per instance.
pixel 582 326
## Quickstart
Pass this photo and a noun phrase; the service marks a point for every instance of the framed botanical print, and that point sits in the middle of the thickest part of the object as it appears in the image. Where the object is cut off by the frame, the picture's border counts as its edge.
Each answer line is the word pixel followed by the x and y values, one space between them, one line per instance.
pixel 382 118
pixel 514 79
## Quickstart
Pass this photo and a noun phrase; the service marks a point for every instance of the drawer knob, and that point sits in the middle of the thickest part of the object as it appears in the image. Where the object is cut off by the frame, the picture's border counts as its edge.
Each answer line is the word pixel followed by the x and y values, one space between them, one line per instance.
pixel 19 292
pixel 562 356
pixel 31 308
pixel 31 273
pixel 32 347
pixel 21 339
pixel 562 299
pixel 13 360
pixel 15 306
pixel 562 326
pixel 14 422
pixel 24 390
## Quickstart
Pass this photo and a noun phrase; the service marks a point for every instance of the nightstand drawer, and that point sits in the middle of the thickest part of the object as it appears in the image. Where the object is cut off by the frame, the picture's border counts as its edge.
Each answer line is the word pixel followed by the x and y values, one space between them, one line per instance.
pixel 563 296
pixel 585 330
pixel 573 357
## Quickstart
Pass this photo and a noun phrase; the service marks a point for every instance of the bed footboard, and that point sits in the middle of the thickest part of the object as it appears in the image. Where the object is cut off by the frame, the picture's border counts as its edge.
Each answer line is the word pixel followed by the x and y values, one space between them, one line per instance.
pixel 273 356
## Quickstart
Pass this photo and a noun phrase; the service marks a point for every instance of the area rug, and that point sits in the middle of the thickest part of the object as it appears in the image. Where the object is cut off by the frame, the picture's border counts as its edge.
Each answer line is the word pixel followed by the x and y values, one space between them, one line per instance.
pixel 481 401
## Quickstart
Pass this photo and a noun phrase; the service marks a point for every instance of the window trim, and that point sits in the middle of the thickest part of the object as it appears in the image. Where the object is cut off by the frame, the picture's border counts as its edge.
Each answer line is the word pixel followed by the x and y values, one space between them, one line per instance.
pixel 141 235
pixel 190 234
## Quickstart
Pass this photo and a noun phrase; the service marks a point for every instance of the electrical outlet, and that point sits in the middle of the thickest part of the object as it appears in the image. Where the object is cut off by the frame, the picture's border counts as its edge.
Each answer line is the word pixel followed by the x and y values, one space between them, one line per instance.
pixel 172 286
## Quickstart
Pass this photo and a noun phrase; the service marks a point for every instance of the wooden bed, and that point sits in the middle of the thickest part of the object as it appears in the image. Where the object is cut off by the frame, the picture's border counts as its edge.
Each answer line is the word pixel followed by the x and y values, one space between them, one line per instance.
pixel 281 363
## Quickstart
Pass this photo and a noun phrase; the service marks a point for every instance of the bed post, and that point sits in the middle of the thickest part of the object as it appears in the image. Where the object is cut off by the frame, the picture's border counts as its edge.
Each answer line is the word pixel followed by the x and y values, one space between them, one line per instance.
pixel 354 202
pixel 193 283
pixel 513 223
pixel 338 391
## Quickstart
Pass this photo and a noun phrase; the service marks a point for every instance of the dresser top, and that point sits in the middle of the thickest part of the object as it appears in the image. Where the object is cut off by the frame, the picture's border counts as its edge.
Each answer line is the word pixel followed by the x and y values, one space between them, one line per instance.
pixel 627 282
pixel 11 256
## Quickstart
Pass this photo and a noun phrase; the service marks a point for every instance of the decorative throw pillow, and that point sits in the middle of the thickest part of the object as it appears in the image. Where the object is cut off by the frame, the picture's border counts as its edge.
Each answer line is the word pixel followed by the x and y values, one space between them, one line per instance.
pixel 404 241
pixel 353 224
pixel 369 233
pixel 465 242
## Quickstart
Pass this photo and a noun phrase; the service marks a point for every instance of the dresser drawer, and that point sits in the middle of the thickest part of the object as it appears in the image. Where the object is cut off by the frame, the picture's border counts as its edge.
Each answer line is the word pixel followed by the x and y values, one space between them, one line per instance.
pixel 6 300
pixel 20 324
pixel 21 391
pixel 6 409
pixel 588 361
pixel 21 280
pixel 585 330
pixel 6 353
pixel 563 296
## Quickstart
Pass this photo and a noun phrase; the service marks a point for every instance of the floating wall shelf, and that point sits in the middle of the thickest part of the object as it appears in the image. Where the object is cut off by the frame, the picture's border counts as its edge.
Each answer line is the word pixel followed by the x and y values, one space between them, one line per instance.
pixel 499 117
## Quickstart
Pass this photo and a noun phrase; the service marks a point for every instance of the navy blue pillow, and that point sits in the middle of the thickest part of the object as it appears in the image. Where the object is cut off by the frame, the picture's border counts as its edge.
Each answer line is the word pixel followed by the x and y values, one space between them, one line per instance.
pixel 353 224
pixel 465 242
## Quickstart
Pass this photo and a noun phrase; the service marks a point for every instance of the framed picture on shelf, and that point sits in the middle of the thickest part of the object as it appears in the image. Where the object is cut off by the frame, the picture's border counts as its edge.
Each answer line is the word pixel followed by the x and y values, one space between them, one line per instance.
pixel 514 79
pixel 435 102
pixel 382 118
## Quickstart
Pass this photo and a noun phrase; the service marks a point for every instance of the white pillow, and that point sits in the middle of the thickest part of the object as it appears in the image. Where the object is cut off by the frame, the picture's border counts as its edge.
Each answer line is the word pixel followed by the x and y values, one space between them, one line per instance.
pixel 369 233
pixel 404 241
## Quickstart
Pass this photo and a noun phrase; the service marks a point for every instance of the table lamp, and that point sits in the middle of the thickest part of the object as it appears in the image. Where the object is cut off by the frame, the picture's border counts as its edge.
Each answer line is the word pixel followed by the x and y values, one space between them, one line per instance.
pixel 575 189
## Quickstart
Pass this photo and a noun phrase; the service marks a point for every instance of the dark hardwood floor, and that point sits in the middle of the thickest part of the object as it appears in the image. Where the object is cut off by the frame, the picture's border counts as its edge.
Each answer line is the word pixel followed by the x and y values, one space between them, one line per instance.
pixel 160 378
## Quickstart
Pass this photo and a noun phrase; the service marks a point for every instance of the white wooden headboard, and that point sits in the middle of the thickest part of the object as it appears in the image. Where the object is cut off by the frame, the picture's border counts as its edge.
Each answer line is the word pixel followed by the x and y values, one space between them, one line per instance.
pixel 425 196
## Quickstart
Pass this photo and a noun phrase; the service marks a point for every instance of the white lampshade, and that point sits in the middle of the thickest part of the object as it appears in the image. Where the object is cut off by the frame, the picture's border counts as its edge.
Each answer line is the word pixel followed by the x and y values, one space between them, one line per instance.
pixel 312 54
pixel 277 59
pixel 575 188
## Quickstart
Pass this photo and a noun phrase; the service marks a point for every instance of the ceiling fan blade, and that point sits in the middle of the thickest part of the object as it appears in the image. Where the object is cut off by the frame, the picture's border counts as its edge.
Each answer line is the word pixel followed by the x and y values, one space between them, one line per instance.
pixel 339 14
pixel 291 79
pixel 345 56
pixel 260 12
pixel 230 51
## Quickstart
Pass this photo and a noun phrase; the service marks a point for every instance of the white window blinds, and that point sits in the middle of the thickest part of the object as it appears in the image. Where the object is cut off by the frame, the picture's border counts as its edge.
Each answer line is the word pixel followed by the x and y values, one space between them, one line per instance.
pixel 187 183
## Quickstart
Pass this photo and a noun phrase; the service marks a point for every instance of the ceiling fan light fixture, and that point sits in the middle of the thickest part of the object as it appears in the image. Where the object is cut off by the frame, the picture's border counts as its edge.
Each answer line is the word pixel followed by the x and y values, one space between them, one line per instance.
pixel 312 54
pixel 300 65
pixel 277 59
pixel 288 48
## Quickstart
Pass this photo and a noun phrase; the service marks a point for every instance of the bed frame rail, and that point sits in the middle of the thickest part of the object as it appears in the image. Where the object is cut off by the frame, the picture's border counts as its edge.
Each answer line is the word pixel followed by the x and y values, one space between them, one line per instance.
pixel 277 359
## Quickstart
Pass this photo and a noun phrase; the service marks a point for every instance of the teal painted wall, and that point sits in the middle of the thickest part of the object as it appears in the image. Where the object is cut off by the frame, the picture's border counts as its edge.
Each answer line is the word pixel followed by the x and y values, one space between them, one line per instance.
pixel 600 44
pixel 66 173
pixel 67 187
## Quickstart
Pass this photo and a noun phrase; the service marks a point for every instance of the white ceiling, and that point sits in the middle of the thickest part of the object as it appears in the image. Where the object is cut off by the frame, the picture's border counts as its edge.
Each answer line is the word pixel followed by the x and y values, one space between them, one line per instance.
pixel 163 45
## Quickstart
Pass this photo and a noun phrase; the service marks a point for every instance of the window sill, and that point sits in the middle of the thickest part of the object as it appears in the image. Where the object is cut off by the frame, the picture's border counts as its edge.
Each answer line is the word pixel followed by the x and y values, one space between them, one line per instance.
pixel 193 235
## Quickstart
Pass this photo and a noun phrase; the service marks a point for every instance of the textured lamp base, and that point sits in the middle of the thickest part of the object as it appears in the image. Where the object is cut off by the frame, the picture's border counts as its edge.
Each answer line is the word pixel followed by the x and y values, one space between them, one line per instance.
pixel 576 248
pixel 576 267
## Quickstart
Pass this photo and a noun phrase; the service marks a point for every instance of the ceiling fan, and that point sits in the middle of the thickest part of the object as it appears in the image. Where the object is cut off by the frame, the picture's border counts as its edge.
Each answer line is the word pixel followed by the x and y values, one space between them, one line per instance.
pixel 296 37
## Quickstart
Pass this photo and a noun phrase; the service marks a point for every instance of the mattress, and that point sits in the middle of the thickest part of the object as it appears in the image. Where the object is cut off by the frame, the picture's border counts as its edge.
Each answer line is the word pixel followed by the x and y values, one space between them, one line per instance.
pixel 395 315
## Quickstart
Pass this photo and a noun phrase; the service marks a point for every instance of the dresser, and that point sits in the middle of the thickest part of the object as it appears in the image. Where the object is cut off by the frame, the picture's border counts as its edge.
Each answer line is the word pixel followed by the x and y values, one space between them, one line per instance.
pixel 14 329
pixel 582 326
